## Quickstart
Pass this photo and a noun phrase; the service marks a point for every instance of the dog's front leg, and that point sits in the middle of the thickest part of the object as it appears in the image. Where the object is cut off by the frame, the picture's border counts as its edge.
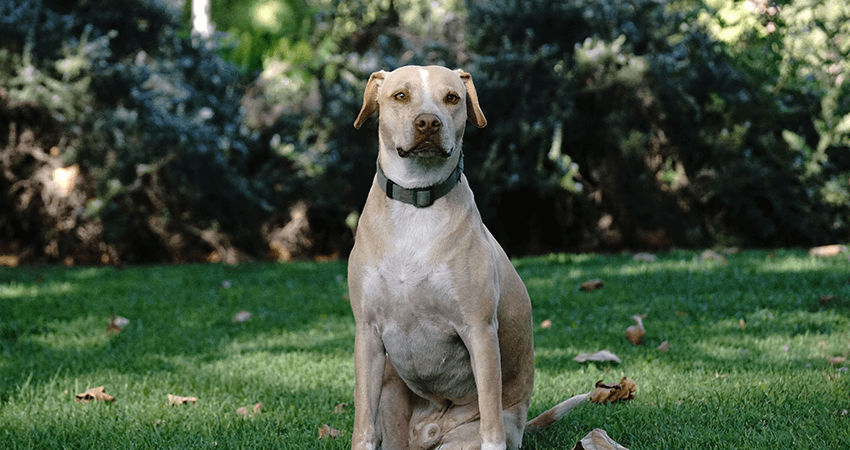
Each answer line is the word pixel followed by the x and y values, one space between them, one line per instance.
pixel 369 360
pixel 483 345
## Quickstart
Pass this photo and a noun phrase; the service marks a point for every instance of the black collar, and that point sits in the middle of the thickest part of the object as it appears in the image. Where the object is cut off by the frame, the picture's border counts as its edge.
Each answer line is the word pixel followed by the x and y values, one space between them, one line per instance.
pixel 420 197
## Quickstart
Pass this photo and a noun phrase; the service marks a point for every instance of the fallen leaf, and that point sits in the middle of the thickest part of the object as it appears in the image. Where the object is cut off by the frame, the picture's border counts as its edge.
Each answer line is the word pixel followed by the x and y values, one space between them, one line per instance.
pixel 664 347
pixel 836 360
pixel 600 356
pixel 328 432
pixel 610 393
pixel 742 324
pixel 176 400
pixel 96 394
pixel 635 333
pixel 598 439
pixel 241 316
pixel 116 324
pixel 646 257
pixel 826 251
pixel 824 299
pixel 546 324
pixel 257 410
pixel 340 408
pixel 592 285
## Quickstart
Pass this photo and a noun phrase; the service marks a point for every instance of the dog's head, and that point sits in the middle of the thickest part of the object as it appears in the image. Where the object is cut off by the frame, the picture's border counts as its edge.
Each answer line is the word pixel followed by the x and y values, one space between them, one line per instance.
pixel 422 110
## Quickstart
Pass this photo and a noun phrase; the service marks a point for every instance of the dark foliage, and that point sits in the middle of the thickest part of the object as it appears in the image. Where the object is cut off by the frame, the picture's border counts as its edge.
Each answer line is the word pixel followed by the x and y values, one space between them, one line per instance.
pixel 674 146
pixel 172 173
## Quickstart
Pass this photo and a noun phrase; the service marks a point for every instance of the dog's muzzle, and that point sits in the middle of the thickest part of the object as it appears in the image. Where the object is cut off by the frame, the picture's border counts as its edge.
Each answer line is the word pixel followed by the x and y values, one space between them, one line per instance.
pixel 427 140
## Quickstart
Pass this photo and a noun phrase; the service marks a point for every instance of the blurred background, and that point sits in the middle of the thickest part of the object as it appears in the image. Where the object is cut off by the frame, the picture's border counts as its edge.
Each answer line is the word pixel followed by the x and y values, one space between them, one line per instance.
pixel 147 131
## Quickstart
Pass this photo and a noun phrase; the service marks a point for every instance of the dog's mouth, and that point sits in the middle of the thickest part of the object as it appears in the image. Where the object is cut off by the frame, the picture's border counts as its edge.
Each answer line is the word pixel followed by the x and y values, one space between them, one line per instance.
pixel 424 149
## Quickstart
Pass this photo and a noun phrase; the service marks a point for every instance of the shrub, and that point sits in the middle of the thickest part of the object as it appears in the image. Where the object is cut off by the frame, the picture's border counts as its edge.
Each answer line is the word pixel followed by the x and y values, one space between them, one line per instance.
pixel 171 173
pixel 673 144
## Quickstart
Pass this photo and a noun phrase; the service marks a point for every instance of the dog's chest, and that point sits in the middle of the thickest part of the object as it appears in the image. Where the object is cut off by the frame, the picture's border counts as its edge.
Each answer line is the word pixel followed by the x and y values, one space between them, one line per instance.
pixel 410 265
pixel 411 293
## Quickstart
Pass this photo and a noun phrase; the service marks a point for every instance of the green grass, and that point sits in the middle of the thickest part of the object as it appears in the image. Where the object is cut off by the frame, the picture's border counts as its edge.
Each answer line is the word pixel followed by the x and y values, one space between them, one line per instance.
pixel 767 385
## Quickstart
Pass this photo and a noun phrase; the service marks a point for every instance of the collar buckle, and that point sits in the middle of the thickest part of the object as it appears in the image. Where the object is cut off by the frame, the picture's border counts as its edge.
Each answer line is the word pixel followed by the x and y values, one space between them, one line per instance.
pixel 420 197
pixel 423 198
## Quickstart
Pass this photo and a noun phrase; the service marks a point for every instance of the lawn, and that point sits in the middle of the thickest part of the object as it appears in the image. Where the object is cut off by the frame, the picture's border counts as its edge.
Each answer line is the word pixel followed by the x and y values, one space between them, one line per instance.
pixel 748 365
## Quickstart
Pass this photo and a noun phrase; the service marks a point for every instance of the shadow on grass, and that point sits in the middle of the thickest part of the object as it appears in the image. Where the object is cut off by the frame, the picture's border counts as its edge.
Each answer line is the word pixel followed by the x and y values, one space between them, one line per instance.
pixel 56 318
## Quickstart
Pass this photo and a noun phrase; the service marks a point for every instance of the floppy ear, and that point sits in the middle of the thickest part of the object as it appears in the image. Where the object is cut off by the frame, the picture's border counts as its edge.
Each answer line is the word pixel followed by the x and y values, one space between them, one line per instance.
pixel 473 109
pixel 370 98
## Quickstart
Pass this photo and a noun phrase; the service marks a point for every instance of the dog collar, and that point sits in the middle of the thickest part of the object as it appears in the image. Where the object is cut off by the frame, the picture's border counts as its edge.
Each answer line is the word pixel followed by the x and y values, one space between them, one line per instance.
pixel 420 197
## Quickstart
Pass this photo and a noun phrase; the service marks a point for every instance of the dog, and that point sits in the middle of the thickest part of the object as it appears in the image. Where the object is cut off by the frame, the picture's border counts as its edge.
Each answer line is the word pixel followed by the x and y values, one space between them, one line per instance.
pixel 443 350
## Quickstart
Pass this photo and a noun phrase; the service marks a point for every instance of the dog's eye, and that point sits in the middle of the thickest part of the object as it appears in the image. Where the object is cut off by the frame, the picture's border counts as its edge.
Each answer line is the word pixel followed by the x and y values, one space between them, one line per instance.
pixel 400 96
pixel 452 99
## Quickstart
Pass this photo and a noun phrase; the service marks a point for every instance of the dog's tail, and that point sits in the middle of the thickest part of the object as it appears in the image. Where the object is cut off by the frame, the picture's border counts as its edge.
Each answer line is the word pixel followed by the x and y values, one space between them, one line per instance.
pixel 557 411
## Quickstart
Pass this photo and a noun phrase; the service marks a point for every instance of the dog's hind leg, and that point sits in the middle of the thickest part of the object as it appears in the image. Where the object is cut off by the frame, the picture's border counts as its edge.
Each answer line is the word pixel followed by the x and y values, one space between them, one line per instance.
pixel 395 409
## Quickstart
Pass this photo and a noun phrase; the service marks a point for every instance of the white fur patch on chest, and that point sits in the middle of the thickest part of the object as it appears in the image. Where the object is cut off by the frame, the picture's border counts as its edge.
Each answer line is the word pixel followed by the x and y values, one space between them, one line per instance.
pixel 409 265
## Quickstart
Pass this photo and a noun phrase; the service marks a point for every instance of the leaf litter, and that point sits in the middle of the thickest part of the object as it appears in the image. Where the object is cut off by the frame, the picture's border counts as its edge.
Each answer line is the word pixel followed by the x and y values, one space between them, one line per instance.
pixel 600 356
pixel 96 394
pixel 598 439
pixel 635 333
pixel 610 393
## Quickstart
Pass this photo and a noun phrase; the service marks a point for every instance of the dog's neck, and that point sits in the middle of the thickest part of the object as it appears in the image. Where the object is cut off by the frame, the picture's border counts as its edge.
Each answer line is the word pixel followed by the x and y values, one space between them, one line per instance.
pixel 420 196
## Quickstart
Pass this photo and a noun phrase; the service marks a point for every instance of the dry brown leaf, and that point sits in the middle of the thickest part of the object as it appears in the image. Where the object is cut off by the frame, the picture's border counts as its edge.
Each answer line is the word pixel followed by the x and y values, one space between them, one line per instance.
pixel 546 324
pixel 176 400
pixel 241 316
pixel 598 439
pixel 96 394
pixel 827 251
pixel 116 324
pixel 610 393
pixel 630 385
pixel 742 324
pixel 836 360
pixel 328 432
pixel 826 299
pixel 340 408
pixel 592 285
pixel 664 347
pixel 635 333
pixel 600 356
pixel 256 411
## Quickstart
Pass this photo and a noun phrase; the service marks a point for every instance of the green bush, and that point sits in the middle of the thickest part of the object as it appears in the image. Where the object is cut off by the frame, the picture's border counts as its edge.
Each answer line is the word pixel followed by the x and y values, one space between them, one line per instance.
pixel 674 144
pixel 167 168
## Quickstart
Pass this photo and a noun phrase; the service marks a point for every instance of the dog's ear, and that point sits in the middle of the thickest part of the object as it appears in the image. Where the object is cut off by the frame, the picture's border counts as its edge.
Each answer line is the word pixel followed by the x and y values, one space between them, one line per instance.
pixel 473 109
pixel 370 98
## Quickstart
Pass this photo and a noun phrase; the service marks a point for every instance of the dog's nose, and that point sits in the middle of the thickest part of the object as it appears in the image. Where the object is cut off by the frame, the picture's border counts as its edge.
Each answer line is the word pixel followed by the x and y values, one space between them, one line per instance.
pixel 427 124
